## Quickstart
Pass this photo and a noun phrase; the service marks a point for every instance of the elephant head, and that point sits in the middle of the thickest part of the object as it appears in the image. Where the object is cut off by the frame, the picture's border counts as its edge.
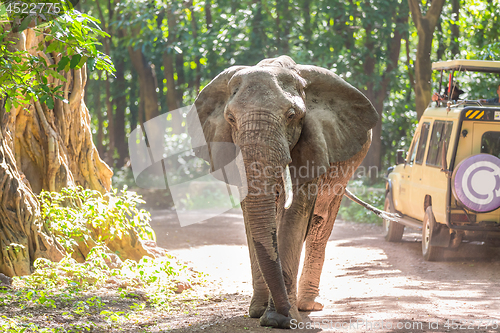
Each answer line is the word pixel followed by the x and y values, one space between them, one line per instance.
pixel 279 114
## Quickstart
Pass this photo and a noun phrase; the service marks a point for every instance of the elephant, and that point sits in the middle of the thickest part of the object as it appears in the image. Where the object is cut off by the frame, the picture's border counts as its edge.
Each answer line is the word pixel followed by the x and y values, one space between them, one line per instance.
pixel 284 116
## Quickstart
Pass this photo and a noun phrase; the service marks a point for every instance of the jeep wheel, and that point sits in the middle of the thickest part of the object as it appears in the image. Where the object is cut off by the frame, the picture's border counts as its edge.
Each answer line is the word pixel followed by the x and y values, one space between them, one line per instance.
pixel 430 253
pixel 393 231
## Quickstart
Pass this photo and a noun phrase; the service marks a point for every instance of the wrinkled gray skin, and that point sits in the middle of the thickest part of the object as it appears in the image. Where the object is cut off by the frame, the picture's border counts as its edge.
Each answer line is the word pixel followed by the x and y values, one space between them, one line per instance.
pixel 280 113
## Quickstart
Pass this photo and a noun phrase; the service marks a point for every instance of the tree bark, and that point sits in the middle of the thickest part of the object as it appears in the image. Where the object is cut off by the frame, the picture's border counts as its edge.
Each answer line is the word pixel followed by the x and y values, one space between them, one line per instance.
pixel 306 7
pixel 133 99
pixel 100 118
pixel 455 30
pixel 377 93
pixel 425 25
pixel 43 149
pixel 194 28
pixel 120 101
pixel 110 129
pixel 23 236
pixel 169 70
pixel 110 149
pixel 283 26
pixel 147 83
pixel 441 42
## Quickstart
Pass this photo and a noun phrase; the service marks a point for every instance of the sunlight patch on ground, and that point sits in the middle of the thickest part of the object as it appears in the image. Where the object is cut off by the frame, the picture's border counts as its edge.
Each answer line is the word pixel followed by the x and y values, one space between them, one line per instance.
pixel 228 265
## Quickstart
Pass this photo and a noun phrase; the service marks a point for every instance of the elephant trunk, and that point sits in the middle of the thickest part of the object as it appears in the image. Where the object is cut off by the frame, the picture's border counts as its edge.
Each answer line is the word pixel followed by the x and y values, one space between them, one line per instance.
pixel 261 214
pixel 264 153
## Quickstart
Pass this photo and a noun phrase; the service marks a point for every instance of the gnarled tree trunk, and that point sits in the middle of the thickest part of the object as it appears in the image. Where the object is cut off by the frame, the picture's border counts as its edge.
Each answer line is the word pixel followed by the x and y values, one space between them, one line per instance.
pixel 44 149
pixel 23 237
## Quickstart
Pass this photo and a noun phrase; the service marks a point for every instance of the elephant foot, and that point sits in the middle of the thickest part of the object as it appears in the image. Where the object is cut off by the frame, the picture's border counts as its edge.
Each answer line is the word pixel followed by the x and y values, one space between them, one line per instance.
pixel 274 319
pixel 257 307
pixel 309 305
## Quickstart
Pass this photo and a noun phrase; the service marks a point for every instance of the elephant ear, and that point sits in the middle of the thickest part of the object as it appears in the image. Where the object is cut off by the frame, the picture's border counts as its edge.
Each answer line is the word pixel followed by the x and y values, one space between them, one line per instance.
pixel 209 131
pixel 336 126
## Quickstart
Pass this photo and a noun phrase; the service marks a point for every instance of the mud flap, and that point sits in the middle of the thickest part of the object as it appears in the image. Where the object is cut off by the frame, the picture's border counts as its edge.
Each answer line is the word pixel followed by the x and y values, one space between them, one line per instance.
pixel 441 236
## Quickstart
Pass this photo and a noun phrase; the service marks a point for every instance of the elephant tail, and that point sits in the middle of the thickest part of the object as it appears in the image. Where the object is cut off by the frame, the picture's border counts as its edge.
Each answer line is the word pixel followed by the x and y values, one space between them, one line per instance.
pixel 393 217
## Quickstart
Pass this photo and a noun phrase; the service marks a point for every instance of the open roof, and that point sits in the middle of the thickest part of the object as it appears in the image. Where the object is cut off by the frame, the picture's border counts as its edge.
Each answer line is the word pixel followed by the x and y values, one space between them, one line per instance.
pixel 468 65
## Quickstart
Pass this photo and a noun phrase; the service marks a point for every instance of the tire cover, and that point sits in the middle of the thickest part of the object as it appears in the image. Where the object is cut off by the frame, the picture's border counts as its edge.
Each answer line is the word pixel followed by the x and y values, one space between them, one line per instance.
pixel 476 183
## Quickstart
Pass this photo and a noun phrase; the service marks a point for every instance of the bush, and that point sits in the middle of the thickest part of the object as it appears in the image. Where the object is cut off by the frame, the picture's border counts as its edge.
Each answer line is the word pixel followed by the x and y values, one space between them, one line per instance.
pixel 77 215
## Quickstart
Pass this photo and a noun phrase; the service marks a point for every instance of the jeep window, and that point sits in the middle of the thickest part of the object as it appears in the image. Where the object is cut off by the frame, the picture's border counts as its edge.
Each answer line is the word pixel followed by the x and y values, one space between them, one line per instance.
pixel 441 132
pixel 422 143
pixel 490 143
pixel 413 151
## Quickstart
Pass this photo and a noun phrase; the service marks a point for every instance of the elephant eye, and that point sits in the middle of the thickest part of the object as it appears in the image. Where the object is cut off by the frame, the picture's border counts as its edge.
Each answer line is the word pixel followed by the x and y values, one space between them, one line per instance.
pixel 290 113
pixel 231 118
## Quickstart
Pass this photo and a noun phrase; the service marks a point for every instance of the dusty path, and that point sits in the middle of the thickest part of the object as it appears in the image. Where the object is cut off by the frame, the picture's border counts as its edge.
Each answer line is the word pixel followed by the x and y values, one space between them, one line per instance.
pixel 367 283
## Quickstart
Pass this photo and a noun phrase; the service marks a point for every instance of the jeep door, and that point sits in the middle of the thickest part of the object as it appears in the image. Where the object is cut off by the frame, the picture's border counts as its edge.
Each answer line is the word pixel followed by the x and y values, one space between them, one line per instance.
pixel 428 179
pixel 414 160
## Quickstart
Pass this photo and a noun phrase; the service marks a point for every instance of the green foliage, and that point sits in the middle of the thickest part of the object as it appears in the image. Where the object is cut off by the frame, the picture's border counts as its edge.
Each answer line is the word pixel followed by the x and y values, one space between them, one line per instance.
pixel 76 215
pixel 23 76
pixel 81 294
pixel 351 38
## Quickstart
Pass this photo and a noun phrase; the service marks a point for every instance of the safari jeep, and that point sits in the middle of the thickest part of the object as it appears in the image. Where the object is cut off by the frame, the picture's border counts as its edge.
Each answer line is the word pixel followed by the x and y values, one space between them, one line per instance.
pixel 449 183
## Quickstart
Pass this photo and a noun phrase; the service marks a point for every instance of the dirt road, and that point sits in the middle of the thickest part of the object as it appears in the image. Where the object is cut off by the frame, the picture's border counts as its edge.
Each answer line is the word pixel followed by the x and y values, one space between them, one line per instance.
pixel 367 283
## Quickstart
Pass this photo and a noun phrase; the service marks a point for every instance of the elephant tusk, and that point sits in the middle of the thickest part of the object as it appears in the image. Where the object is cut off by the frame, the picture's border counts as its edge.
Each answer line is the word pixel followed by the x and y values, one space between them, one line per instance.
pixel 287 182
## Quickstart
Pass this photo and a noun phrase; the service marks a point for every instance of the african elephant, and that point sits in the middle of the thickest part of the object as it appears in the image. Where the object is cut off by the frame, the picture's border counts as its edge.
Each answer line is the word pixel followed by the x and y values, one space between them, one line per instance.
pixel 284 116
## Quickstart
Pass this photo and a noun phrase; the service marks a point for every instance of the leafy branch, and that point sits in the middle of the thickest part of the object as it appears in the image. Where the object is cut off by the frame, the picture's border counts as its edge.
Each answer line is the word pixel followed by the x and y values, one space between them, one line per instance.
pixel 72 38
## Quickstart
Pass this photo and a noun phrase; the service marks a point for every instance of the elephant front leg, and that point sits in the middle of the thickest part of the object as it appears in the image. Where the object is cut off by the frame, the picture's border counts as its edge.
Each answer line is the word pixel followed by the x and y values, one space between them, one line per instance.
pixel 260 296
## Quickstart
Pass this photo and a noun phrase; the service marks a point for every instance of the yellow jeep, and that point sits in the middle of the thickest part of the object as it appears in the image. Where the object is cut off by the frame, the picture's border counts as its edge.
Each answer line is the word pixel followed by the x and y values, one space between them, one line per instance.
pixel 449 183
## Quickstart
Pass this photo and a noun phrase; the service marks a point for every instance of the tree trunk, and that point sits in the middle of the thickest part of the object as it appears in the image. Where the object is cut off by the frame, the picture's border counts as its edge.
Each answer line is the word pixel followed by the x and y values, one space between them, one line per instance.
pixel 377 93
pixel 110 149
pixel 425 25
pixel 441 42
pixel 257 36
pixel 306 8
pixel 194 28
pixel 120 101
pixel 100 119
pixel 147 83
pixel 168 70
pixel 211 67
pixel 47 149
pixel 132 100
pixel 455 30
pixel 23 236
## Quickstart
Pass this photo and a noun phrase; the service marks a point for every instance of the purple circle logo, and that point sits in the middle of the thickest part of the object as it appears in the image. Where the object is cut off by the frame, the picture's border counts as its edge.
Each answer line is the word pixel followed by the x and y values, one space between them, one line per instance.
pixel 476 183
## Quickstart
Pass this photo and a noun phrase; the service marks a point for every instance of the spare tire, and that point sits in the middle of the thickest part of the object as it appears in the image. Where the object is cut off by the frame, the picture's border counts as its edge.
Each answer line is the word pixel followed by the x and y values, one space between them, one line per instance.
pixel 476 183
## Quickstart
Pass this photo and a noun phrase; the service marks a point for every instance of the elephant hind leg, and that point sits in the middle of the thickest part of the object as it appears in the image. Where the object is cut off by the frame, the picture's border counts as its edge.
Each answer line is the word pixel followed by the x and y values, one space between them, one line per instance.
pixel 313 265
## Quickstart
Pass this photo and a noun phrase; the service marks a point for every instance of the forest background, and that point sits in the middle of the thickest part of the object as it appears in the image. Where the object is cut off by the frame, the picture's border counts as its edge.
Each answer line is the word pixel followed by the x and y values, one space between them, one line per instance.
pixel 74 88
pixel 166 51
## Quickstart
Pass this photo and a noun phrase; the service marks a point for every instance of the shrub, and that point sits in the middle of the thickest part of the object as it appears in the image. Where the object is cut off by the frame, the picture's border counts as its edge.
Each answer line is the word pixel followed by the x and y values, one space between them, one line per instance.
pixel 77 215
